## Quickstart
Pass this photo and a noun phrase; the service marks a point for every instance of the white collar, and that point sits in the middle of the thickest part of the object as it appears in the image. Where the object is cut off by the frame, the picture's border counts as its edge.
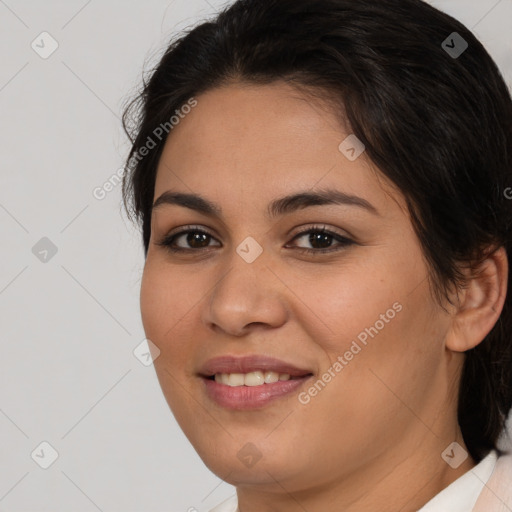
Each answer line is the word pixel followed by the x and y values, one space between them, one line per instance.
pixel 461 495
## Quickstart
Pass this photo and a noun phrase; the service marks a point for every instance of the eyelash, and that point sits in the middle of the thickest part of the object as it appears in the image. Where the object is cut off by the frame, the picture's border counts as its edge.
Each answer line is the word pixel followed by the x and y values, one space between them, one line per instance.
pixel 343 241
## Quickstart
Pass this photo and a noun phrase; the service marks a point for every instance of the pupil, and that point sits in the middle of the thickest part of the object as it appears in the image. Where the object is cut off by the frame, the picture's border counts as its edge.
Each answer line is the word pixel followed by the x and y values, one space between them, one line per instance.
pixel 197 239
pixel 322 238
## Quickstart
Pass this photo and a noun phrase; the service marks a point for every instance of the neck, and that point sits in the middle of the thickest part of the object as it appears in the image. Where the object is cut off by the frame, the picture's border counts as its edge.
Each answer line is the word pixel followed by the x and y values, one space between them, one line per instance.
pixel 402 479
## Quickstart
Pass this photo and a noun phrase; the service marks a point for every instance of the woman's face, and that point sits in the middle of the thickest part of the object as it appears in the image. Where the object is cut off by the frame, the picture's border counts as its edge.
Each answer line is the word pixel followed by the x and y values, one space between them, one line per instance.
pixel 355 324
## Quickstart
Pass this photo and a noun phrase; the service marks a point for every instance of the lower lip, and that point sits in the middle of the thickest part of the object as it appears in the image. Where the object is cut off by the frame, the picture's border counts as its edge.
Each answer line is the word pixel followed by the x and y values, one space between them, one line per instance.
pixel 251 397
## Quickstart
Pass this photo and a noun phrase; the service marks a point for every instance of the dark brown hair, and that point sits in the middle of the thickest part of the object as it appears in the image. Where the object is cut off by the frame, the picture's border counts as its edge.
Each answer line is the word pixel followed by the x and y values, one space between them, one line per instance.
pixel 437 124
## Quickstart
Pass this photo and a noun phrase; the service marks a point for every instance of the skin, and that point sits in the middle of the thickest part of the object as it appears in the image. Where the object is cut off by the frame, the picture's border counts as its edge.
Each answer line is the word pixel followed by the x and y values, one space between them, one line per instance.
pixel 372 438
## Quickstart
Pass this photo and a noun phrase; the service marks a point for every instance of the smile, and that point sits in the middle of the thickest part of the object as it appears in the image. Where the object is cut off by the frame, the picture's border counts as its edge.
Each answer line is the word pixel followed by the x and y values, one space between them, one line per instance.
pixel 250 382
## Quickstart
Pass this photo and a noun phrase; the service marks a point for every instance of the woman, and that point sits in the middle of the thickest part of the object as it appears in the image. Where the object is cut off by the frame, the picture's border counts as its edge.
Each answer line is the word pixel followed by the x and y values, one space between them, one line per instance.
pixel 321 189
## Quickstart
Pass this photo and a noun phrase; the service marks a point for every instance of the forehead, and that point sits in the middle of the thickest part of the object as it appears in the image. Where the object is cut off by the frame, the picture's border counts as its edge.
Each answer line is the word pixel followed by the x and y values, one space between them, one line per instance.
pixel 266 140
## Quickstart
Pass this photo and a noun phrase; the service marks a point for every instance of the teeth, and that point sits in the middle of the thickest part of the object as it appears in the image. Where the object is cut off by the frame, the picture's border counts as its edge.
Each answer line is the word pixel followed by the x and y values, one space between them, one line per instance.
pixel 236 379
pixel 250 379
pixel 254 379
pixel 271 377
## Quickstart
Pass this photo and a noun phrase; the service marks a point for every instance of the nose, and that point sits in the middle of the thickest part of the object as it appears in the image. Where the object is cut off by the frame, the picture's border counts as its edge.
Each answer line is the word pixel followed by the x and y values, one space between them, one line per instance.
pixel 246 296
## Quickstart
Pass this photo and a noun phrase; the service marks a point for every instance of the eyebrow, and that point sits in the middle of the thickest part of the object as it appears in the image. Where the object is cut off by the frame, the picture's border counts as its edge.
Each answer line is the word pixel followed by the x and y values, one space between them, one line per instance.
pixel 278 207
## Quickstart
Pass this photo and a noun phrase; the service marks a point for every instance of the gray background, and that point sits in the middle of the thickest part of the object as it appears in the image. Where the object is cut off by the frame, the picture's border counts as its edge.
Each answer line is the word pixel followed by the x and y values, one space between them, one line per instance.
pixel 70 324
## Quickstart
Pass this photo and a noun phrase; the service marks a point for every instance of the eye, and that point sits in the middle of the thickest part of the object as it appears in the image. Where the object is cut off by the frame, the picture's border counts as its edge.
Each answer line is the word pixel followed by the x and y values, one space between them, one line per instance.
pixel 194 238
pixel 321 239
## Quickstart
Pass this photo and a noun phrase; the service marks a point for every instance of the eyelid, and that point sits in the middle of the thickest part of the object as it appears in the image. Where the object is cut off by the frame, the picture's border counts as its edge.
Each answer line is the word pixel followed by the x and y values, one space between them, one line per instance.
pixel 322 228
pixel 342 240
pixel 165 240
pixel 188 227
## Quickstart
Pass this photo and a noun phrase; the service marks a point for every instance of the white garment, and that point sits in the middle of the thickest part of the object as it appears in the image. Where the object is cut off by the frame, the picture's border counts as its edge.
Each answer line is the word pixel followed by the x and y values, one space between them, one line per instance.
pixel 462 494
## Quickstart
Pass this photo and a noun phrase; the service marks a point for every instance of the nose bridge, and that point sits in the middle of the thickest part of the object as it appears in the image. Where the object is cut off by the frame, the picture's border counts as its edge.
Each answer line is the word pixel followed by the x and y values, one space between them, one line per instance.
pixel 246 264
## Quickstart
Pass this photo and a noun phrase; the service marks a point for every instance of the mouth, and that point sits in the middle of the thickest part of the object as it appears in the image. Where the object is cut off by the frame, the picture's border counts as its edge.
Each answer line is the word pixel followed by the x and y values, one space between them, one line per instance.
pixel 250 382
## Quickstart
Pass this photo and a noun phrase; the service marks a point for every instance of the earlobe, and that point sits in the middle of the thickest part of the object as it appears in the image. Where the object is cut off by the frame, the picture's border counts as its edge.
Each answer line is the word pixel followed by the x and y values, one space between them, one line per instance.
pixel 480 303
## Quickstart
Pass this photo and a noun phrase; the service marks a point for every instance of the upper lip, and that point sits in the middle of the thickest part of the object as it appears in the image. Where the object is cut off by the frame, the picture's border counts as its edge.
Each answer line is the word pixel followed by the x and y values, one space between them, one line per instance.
pixel 252 363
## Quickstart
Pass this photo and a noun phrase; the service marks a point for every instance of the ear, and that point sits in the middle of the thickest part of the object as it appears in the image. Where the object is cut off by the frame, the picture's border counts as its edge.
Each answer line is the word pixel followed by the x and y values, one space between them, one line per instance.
pixel 480 303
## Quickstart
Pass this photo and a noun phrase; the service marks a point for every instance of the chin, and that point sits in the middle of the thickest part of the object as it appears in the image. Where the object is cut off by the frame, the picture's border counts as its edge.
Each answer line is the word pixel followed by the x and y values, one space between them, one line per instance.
pixel 263 471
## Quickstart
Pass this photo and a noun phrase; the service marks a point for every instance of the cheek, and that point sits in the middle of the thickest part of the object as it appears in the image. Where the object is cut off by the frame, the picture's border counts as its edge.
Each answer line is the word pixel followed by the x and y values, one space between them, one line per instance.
pixel 390 349
pixel 346 303
pixel 167 302
pixel 168 299
pixel 383 324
